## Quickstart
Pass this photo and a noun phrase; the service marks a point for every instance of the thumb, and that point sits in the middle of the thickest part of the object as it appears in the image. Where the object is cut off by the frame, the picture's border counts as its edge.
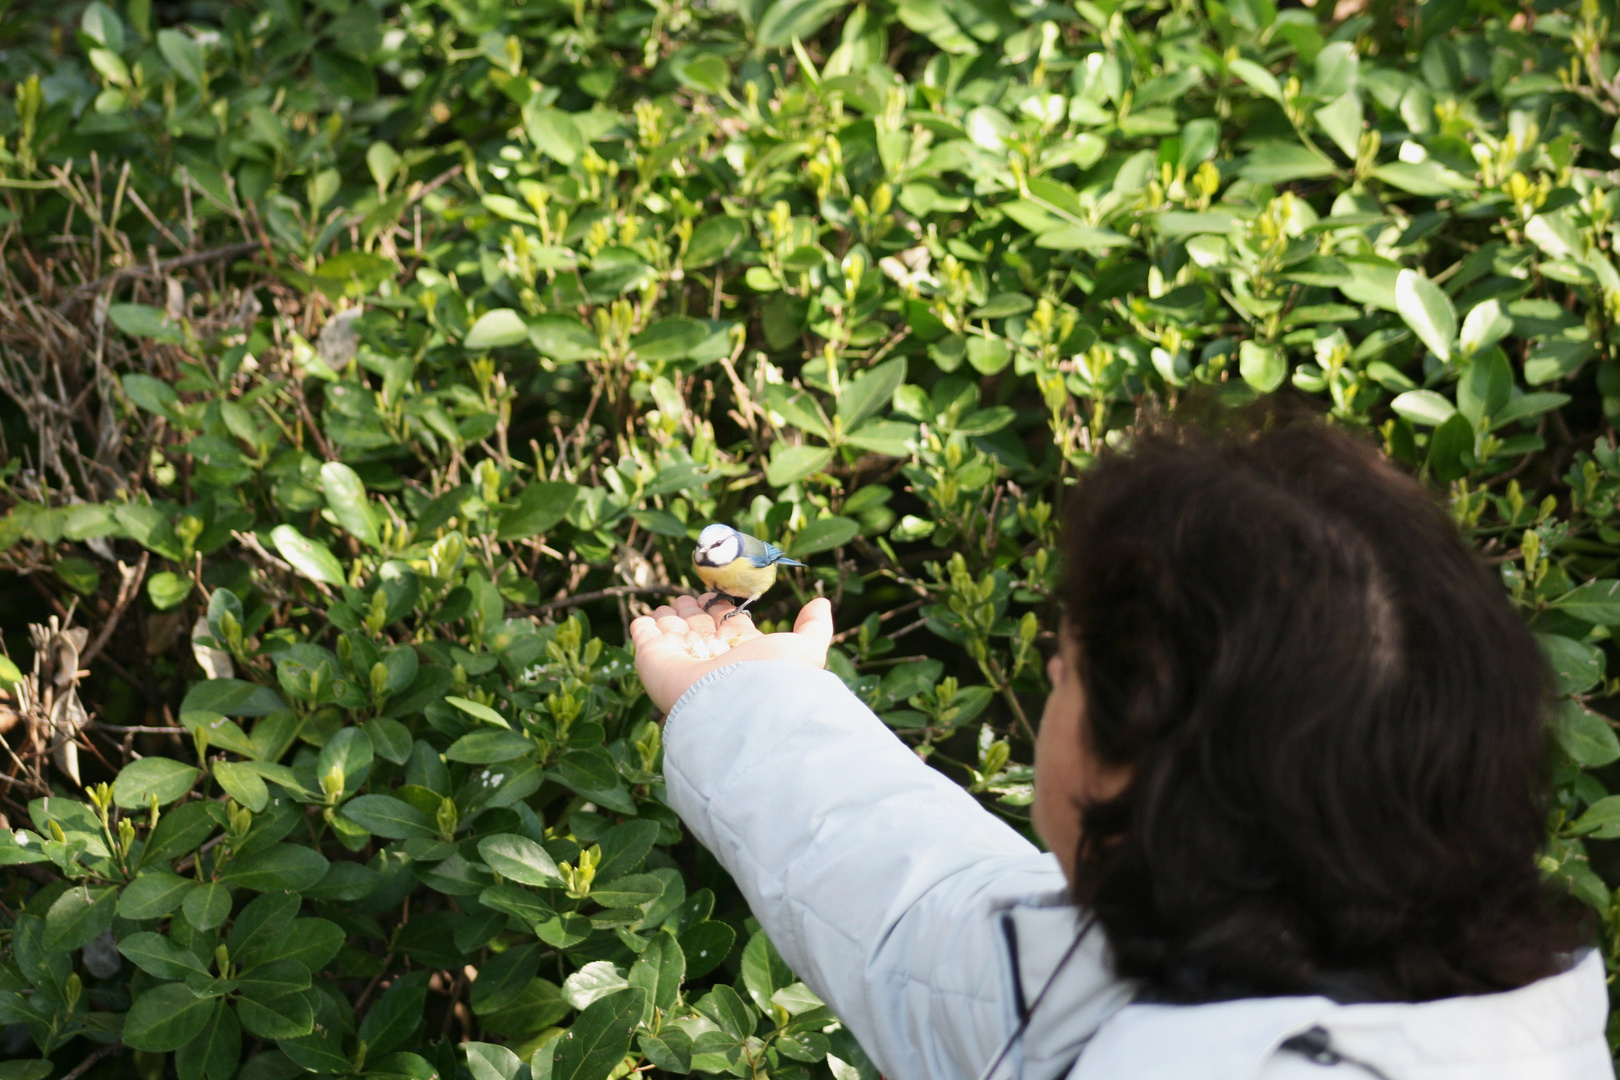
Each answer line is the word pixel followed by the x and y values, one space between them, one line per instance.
pixel 815 622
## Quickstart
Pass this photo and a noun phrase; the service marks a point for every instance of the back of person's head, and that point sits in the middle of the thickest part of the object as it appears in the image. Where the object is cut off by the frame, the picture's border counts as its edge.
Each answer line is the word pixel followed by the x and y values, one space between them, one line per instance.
pixel 1333 721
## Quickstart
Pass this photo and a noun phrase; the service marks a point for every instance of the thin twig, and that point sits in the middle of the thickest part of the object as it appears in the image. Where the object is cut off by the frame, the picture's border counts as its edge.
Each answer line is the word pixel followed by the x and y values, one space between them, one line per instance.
pixel 90 1062
pixel 167 266
pixel 882 617
pixel 138 729
pixel 603 594
pixel 127 588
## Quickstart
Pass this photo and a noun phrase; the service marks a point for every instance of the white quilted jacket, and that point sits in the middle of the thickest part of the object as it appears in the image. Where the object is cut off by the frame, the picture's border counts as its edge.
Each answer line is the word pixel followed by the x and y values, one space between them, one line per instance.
pixel 928 924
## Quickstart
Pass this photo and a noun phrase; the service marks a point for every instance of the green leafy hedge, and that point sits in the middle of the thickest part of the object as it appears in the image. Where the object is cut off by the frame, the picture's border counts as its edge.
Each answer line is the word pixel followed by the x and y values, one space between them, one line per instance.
pixel 368 364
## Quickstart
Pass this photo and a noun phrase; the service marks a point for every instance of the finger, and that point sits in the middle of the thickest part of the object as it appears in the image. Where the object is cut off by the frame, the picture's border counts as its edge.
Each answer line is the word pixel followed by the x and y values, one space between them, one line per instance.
pixel 686 606
pixel 663 611
pixel 739 628
pixel 673 624
pixel 815 622
pixel 643 630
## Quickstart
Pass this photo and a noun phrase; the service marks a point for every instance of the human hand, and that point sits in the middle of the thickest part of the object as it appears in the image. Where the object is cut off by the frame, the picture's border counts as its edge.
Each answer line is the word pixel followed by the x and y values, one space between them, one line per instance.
pixel 678 645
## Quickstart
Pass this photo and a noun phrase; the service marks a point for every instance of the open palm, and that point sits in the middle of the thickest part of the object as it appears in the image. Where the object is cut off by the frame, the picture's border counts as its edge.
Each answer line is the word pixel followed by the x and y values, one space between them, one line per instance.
pixel 679 644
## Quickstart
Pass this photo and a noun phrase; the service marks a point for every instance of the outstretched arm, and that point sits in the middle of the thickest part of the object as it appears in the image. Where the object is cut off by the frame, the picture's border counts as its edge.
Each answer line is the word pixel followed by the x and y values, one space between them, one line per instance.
pixel 878 879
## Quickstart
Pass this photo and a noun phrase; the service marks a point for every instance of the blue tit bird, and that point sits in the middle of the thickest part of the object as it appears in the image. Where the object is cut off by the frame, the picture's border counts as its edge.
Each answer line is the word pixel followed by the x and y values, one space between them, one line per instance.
pixel 738 567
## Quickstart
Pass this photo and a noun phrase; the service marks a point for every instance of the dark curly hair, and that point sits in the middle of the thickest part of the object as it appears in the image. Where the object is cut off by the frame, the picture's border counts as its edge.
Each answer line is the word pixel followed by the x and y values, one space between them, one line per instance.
pixel 1333 721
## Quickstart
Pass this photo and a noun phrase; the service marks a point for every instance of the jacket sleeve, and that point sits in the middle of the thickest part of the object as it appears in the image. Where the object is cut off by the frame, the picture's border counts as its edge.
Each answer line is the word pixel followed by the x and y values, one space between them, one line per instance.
pixel 877 878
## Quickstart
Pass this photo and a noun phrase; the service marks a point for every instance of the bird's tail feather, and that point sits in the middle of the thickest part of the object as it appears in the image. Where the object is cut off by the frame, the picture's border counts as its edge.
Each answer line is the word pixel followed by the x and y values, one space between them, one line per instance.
pixel 785 561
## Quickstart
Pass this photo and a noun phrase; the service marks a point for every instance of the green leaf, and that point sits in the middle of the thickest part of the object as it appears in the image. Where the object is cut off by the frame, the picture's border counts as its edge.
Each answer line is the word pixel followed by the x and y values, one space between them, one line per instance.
pixel 1285 162
pixel 1450 449
pixel 264 920
pixel 346 496
pixel 764 971
pixel 153 395
pixel 599 1037
pixel 1263 367
pixel 242 783
pixel 1427 309
pixel 184 58
pixel 153 894
pixel 207 906
pixel 31 1069
pixel 553 132
pixel 230 697
pixel 1424 407
pixel 352 273
pixel 1485 325
pixel 389 738
pixel 706 947
pixel 382 161
pixel 717 237
pixel 989 356
pixel 703 71
pixel 395 1016
pixel 273 979
pixel 890 437
pixel 161 957
pixel 1097 241
pixel 1601 820
pixel 478 712
pixel 1258 78
pixel 659 971
pixel 871 392
pixel 673 338
pixel 497 329
pixel 386 816
pixel 489 747
pixel 1341 120
pixel 309 557
pixel 783 20
pixel 1595 602
pixel 1587 737
pixel 1427 178
pixel 824 534
pixel 312 942
pixel 491 1061
pixel 540 508
pixel 165 1018
pixel 1175 223
pixel 632 890
pixel 503 977
pixel 563 338
pixel 143 320
pixel 790 464
pixel 216 1052
pixel 517 858
pixel 138 781
pixel 168 589
pixel 594 981
pixel 178 833
pixel 284 1017
pixel 292 867
pixel 348 750
pixel 79 916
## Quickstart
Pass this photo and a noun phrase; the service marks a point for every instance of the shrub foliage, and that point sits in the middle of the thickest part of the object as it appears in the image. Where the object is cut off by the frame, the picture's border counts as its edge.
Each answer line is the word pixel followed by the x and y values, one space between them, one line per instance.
pixel 367 364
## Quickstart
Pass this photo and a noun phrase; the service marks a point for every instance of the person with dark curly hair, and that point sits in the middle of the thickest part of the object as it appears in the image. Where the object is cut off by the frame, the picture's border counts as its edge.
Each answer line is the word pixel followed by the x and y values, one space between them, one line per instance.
pixel 1292 775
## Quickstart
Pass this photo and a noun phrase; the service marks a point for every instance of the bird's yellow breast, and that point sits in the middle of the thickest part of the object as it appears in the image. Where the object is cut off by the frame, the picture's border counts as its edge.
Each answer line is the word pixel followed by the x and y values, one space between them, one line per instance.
pixel 739 578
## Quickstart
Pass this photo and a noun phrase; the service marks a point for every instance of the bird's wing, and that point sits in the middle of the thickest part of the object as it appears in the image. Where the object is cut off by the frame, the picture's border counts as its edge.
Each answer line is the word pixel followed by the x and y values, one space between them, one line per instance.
pixel 774 554
pixel 757 551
